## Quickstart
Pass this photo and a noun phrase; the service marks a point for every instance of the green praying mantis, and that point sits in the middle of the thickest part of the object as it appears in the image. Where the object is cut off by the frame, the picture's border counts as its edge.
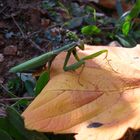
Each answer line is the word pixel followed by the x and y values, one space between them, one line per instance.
pixel 50 56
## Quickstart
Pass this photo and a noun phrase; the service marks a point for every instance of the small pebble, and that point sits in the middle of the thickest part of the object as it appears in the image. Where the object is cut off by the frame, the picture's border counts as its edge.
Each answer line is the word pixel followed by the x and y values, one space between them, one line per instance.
pixel 1 80
pixel 45 22
pixel 10 50
pixel 1 57
pixel 115 44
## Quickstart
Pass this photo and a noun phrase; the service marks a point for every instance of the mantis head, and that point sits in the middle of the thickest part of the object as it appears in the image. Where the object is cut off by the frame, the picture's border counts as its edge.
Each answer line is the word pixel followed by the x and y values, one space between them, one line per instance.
pixel 80 44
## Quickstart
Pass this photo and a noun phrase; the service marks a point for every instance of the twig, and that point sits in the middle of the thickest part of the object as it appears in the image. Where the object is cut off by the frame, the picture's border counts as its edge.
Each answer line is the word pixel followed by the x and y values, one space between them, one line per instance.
pixel 34 33
pixel 15 99
pixel 23 35
pixel 26 37
pixel 107 28
pixel 2 112
pixel 35 45
pixel 13 14
pixel 3 9
pixel 7 91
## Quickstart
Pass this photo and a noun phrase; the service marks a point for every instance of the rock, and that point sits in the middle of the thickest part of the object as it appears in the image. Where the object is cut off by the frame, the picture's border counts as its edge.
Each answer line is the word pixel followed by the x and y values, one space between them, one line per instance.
pixel 115 44
pixel 45 22
pixel 1 80
pixel 34 14
pixel 1 42
pixel 1 57
pixel 55 32
pixel 10 50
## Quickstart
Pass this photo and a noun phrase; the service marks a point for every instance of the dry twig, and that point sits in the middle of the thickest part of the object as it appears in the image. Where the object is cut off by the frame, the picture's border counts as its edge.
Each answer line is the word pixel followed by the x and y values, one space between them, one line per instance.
pixel 26 37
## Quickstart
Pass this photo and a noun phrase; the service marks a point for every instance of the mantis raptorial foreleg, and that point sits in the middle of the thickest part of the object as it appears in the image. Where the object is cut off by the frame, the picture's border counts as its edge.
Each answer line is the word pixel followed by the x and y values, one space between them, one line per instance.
pixel 95 55
pixel 72 66
pixel 80 61
pixel 74 52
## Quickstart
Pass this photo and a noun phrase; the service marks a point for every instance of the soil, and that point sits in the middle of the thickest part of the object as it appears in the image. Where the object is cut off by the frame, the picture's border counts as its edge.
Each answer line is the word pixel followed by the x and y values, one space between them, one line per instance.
pixel 19 24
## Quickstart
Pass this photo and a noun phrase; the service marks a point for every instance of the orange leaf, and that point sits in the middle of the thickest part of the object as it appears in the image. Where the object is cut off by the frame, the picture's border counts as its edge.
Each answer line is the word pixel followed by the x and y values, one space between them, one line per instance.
pixel 98 101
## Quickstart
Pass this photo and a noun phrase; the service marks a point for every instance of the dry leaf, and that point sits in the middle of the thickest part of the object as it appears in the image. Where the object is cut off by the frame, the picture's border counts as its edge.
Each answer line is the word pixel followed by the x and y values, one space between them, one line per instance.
pixel 98 102
pixel 112 4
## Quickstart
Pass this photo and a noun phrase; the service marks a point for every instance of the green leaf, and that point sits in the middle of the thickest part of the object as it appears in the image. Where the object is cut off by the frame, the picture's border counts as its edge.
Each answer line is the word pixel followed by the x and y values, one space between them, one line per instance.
pixel 48 5
pixel 126 19
pixel 17 129
pixel 14 84
pixel 16 125
pixel 136 34
pixel 29 87
pixel 135 10
pixel 4 124
pixel 75 9
pixel 74 23
pixel 21 102
pixel 126 41
pixel 42 81
pixel 90 30
pixel 89 9
pixel 126 27
pixel 4 135
pixel 37 136
pixel 97 40
pixel 119 7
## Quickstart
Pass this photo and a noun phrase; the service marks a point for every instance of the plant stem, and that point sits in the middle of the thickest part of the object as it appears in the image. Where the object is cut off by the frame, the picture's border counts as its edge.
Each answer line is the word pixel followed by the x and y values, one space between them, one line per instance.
pixel 15 99
pixel 9 93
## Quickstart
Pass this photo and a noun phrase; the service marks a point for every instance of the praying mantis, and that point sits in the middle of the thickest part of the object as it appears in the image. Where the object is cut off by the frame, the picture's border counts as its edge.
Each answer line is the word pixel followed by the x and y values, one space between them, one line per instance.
pixel 50 56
